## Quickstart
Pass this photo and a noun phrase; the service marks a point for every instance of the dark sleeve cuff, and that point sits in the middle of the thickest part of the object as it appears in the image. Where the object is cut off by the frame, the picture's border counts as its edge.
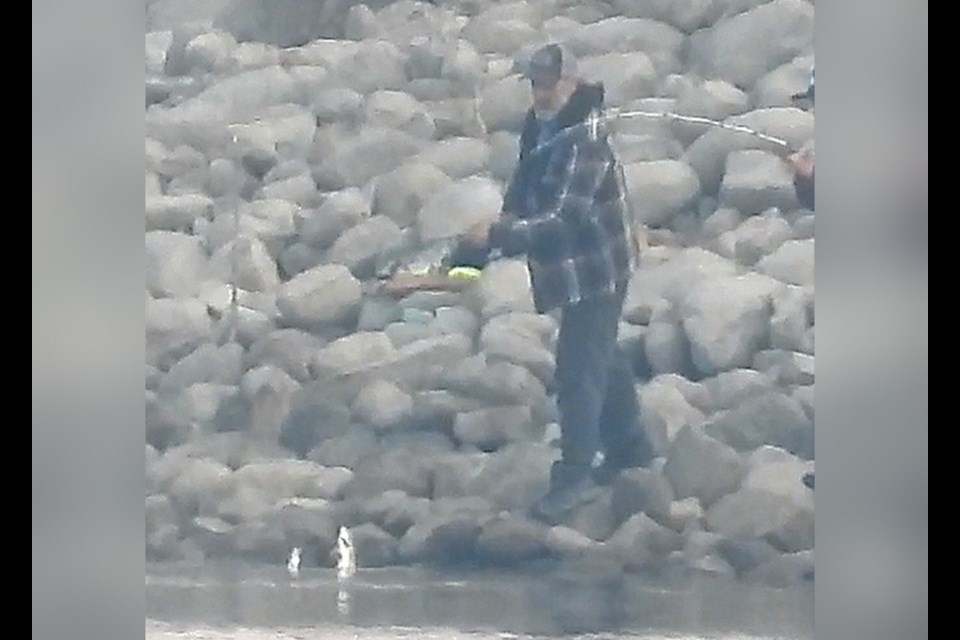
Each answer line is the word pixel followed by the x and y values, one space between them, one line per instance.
pixel 502 237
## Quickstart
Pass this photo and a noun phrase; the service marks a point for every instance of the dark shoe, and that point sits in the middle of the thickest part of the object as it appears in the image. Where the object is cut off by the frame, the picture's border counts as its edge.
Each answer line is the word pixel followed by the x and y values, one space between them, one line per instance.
pixel 606 473
pixel 570 487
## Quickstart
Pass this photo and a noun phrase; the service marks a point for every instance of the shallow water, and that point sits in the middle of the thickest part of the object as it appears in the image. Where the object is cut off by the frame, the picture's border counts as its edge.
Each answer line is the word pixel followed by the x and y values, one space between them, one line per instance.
pixel 254 603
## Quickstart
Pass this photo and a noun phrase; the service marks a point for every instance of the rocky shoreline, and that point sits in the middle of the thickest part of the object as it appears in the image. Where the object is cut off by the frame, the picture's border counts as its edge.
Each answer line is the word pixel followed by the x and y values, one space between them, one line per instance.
pixel 288 153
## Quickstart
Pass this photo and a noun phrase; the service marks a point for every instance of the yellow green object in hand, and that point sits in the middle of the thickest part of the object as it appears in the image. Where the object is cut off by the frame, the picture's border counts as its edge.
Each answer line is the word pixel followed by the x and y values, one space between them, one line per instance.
pixel 464 273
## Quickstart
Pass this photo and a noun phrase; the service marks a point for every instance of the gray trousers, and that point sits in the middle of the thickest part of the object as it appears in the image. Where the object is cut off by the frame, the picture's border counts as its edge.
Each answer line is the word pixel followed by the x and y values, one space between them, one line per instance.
pixel 595 387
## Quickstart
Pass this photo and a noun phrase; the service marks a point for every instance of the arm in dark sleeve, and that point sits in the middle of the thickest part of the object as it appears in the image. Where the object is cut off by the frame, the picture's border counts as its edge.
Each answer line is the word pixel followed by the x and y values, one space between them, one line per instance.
pixel 465 255
pixel 511 199
pixel 570 201
pixel 515 187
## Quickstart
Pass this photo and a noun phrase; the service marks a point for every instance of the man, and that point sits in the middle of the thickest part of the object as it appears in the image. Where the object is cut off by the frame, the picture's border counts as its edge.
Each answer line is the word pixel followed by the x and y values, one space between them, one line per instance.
pixel 802 162
pixel 565 210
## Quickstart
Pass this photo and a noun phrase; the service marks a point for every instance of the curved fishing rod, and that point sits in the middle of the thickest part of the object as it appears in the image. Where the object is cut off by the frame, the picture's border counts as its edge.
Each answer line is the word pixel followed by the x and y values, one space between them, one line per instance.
pixel 596 118
pixel 668 115
pixel 427 276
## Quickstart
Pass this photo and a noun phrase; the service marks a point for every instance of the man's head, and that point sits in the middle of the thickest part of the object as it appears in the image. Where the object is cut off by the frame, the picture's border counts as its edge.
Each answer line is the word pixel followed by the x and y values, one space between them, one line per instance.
pixel 553 78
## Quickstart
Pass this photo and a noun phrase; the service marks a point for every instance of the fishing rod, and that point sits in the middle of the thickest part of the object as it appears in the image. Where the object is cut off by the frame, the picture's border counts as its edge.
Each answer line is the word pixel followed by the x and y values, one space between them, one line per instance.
pixel 431 276
pixel 598 118
pixel 615 114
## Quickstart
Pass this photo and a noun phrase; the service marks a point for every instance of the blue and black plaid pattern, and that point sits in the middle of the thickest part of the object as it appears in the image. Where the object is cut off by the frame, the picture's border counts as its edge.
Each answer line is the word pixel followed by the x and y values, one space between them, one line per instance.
pixel 566 212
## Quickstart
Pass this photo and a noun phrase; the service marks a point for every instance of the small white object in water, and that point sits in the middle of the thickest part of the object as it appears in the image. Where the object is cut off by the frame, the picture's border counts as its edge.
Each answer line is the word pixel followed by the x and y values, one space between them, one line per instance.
pixel 346 554
pixel 293 562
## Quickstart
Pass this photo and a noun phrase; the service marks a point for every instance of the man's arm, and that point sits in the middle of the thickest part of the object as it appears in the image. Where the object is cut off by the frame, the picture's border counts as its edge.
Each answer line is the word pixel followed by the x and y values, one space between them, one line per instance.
pixel 583 168
pixel 511 198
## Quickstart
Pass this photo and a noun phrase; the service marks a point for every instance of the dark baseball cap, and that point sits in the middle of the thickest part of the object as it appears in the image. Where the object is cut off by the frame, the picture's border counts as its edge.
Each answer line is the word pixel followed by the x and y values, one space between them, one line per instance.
pixel 550 63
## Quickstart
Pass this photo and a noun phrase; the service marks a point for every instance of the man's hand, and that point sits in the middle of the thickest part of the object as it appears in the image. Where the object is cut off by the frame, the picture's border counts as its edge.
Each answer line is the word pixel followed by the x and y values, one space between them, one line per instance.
pixel 477 235
pixel 802 163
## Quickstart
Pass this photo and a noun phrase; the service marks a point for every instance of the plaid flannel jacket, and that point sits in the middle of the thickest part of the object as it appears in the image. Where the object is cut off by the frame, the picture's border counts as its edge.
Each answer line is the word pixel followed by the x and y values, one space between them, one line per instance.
pixel 565 208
